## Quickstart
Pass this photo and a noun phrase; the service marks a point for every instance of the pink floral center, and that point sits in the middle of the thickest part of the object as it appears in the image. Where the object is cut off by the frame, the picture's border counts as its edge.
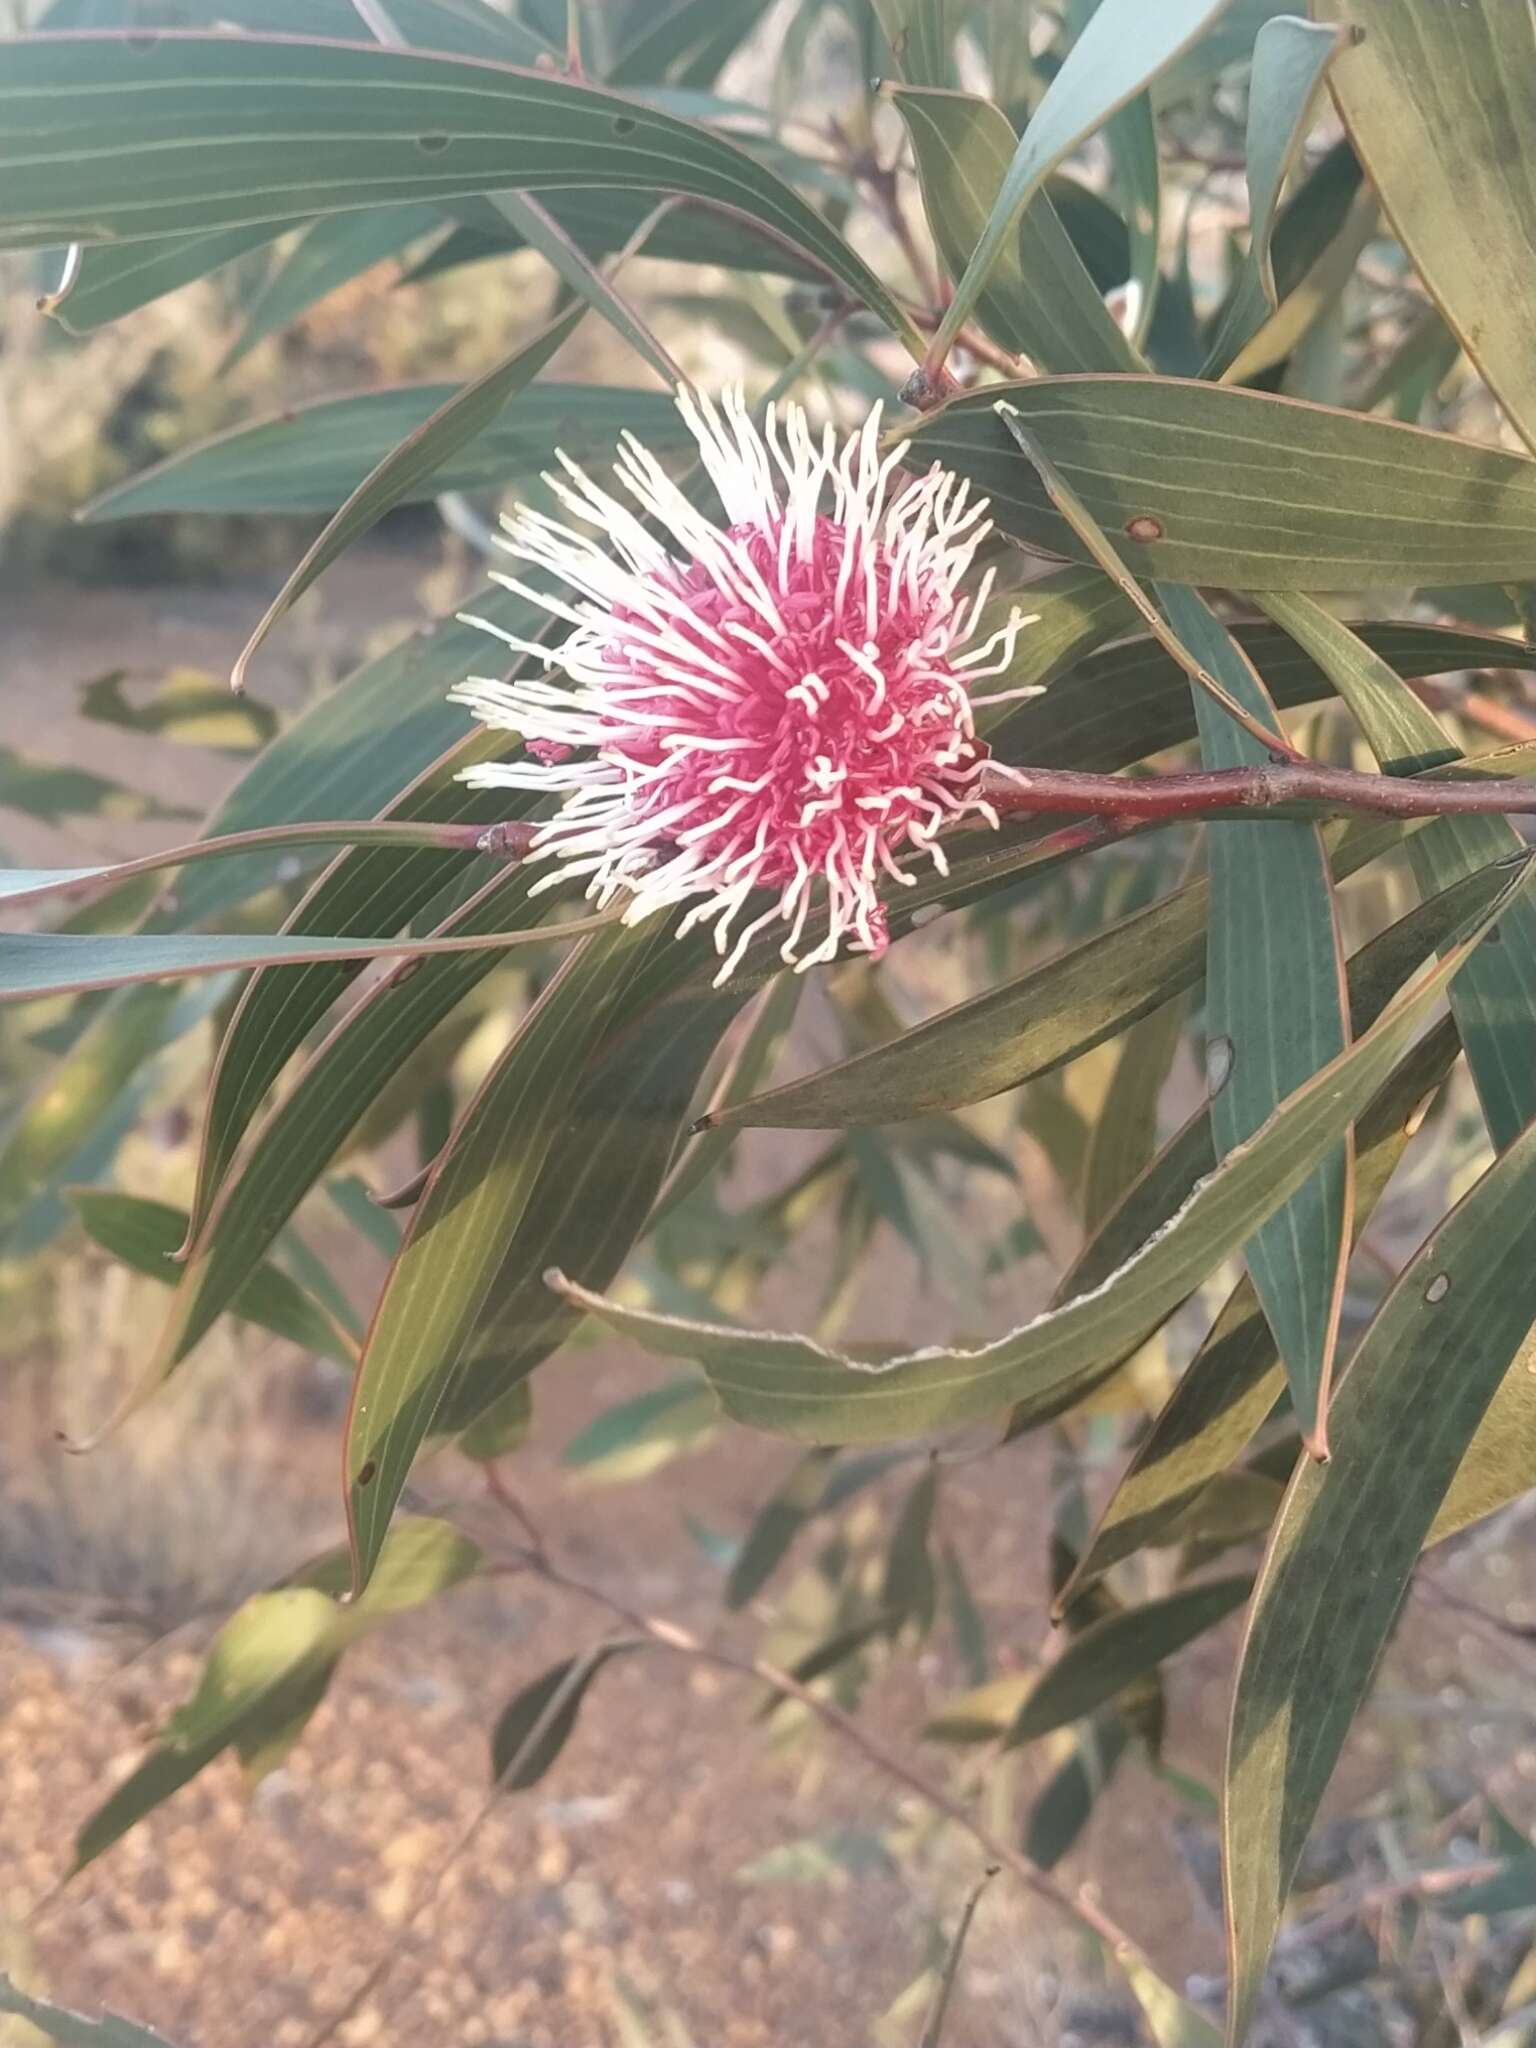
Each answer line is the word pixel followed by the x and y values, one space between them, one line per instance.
pixel 817 751
pixel 754 720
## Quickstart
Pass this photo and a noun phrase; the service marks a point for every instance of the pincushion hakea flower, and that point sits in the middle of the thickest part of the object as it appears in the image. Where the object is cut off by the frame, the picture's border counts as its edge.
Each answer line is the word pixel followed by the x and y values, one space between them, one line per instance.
pixel 783 705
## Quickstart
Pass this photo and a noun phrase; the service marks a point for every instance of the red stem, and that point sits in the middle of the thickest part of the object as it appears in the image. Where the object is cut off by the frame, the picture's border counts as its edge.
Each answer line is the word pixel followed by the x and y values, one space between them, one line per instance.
pixel 1062 791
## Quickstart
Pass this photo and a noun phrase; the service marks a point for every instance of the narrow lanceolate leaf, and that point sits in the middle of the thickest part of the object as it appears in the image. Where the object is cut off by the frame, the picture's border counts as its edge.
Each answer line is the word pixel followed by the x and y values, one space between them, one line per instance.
pixel 467 414
pixel 1125 1138
pixel 1290 59
pixel 1495 1002
pixel 296 1144
pixel 797 1387
pixel 109 282
pixel 1440 102
pixel 1131 700
pixel 39 964
pixel 1171 2020
pixel 460 1228
pixel 270 1664
pixel 1067 1800
pixel 330 253
pixel 1348 1535
pixel 1122 50
pixel 310 458
pixel 467 28
pixel 1026 1027
pixel 210 122
pixel 265 1663
pixel 537 1722
pixel 776 1525
pixel 1276 1012
pixel 1202 483
pixel 1111 1653
pixel 363 892
pixel 1235 1378
pixel 73 2029
pixel 145 1236
pixel 1039 299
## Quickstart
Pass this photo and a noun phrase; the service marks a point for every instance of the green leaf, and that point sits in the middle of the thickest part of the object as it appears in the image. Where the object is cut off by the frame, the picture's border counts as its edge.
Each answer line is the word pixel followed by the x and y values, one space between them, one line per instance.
pixel 1440 103
pixel 635 1438
pixel 1172 2021
pixel 797 1387
pixel 775 1526
pixel 678 32
pixel 1495 1004
pixel 464 416
pixel 1130 136
pixel 368 890
pixel 424 1557
pixel 53 963
pixel 536 1723
pixel 442 1276
pixel 1125 1136
pixel 264 1662
pixel 1349 1533
pixel 983 1714
pixel 145 1235
pixel 269 1667
pixel 1235 1378
pixel 576 271
pixel 309 458
pixel 1276 1012
pixel 1290 59
pixel 1067 1799
pixel 908 1590
pixel 45 1134
pixel 1028 1026
pixel 1511 1890
pixel 1241 488
pixel 921 34
pixel 73 2029
pixel 329 253
pixel 1122 49
pixel 187 706
pixel 752 1058
pixel 1039 299
pixel 297 1143
pixel 50 791
pixel 209 122
pixel 602 222
pixel 1126 702
pixel 469 28
pixel 1101 1662
pixel 106 282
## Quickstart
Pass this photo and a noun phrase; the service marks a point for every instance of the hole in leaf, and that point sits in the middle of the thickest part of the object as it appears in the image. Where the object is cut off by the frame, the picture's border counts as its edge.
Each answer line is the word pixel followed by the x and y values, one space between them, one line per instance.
pixel 432 145
pixel 1438 1288
pixel 1144 527
pixel 368 1473
pixel 623 124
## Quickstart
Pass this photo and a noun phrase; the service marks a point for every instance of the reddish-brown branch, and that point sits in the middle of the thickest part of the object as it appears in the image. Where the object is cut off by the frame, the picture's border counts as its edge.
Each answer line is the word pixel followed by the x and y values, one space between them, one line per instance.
pixel 1213 793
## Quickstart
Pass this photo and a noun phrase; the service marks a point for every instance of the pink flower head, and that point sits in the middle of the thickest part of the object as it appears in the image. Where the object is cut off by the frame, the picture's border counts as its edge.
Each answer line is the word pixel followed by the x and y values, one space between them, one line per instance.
pixel 780 706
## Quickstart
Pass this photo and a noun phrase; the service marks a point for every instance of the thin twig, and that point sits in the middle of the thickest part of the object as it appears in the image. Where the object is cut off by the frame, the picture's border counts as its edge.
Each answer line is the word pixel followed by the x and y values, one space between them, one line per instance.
pixel 1080 1906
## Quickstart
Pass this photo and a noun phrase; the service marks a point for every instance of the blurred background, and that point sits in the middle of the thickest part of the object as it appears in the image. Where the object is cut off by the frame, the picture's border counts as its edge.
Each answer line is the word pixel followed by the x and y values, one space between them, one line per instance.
pixel 681 1875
